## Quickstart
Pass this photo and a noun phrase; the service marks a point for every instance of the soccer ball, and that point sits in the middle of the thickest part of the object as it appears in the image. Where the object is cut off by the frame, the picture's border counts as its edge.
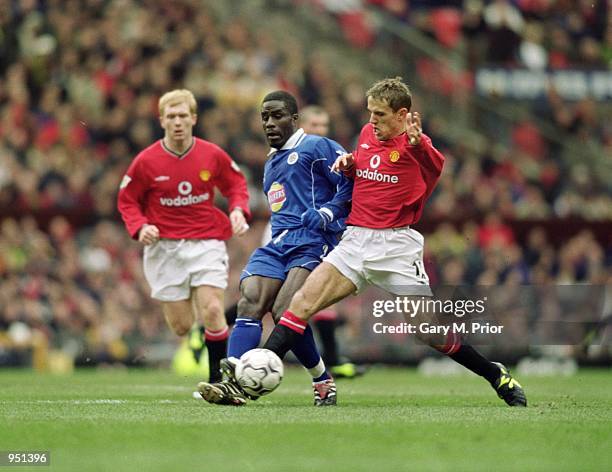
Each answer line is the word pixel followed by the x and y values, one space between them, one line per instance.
pixel 259 372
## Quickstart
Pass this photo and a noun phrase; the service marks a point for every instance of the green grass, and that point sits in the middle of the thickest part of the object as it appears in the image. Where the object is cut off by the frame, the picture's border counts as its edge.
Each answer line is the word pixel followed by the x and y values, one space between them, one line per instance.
pixel 391 419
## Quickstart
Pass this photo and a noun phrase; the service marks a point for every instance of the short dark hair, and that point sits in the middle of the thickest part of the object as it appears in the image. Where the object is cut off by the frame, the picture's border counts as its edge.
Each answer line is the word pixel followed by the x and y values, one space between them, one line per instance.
pixel 394 92
pixel 285 97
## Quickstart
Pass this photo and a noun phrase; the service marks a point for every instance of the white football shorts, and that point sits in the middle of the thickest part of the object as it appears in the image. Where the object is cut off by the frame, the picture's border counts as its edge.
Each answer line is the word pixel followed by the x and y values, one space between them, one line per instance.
pixel 173 266
pixel 391 259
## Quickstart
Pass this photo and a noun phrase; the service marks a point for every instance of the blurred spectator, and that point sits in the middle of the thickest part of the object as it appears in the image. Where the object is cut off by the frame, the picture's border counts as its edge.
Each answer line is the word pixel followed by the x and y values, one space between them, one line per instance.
pixel 504 26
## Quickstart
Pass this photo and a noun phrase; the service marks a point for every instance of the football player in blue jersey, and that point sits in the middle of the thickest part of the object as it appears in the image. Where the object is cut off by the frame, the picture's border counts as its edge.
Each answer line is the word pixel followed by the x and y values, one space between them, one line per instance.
pixel 308 203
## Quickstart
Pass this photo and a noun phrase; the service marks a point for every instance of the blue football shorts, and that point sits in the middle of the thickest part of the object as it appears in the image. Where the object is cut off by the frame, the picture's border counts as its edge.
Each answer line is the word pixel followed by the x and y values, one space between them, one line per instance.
pixel 291 248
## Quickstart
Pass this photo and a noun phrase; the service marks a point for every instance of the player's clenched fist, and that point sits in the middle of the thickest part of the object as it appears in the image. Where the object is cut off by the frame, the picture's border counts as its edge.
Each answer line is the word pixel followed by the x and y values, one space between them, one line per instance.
pixel 344 162
pixel 239 224
pixel 148 234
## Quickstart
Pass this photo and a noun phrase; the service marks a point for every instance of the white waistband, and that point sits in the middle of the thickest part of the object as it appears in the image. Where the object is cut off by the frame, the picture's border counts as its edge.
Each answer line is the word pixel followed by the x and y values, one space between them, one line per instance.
pixel 381 230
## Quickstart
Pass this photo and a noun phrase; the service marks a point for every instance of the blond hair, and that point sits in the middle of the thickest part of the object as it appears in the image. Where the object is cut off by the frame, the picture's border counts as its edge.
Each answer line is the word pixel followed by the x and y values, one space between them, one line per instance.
pixel 394 92
pixel 174 97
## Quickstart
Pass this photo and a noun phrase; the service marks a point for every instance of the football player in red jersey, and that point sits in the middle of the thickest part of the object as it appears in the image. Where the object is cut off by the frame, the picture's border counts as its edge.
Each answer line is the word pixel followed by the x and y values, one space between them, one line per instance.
pixel 395 169
pixel 166 201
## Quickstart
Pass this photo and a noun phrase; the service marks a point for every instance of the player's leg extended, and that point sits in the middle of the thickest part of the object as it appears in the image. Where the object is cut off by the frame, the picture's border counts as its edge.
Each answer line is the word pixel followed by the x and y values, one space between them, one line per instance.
pixel 323 287
pixel 401 272
pixel 208 305
pixel 256 297
pixel 454 347
pixel 305 349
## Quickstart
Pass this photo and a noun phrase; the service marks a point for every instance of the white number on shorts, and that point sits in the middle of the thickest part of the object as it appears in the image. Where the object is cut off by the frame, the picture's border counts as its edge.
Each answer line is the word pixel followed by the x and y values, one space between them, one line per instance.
pixel 419 268
pixel 325 249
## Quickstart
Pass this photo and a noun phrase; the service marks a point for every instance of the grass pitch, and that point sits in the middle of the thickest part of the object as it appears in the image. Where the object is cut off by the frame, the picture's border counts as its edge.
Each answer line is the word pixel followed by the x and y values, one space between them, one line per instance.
pixel 388 420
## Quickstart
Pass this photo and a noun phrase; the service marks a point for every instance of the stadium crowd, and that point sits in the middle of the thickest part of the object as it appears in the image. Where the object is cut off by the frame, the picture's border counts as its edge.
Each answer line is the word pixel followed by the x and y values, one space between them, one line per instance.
pixel 532 35
pixel 78 98
pixel 527 33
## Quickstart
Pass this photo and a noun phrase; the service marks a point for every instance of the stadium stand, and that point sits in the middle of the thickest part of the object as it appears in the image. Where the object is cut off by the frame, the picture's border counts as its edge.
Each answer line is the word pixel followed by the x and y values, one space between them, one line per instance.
pixel 518 202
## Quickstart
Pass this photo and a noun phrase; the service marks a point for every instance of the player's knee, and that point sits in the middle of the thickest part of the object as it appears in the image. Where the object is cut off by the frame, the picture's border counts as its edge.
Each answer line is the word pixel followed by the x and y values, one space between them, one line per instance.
pixel 180 327
pixel 250 303
pixel 213 311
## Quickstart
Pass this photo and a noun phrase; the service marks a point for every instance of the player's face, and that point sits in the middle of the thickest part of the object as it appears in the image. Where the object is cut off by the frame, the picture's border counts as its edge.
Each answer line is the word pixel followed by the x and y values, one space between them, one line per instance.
pixel 178 121
pixel 278 122
pixel 316 124
pixel 387 123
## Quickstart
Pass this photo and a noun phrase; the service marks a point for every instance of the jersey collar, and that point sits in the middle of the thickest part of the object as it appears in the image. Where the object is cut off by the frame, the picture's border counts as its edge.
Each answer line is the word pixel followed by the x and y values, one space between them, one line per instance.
pixel 175 154
pixel 292 142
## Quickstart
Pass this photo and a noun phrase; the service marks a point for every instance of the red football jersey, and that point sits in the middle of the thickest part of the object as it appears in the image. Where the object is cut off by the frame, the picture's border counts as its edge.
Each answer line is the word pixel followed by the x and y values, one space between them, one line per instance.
pixel 176 193
pixel 393 179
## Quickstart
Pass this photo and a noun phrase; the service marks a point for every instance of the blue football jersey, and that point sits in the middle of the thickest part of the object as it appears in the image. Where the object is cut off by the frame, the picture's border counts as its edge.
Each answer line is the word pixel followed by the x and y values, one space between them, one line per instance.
pixel 298 177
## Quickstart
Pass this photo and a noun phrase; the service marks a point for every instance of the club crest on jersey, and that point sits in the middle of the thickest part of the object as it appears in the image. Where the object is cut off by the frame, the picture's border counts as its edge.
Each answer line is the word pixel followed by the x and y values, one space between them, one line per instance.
pixel 394 156
pixel 205 175
pixel 293 158
pixel 276 196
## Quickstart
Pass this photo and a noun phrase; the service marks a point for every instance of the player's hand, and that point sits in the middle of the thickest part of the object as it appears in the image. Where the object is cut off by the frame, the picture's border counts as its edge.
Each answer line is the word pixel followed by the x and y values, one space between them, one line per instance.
pixel 315 219
pixel 413 127
pixel 238 221
pixel 148 234
pixel 344 162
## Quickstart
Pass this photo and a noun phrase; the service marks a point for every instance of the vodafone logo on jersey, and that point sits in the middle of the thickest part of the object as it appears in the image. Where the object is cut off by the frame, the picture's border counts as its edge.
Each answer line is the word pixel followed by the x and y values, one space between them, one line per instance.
pixel 375 161
pixel 374 175
pixel 276 196
pixel 185 198
pixel 185 187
